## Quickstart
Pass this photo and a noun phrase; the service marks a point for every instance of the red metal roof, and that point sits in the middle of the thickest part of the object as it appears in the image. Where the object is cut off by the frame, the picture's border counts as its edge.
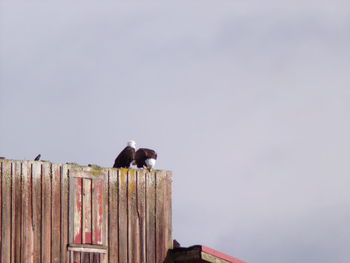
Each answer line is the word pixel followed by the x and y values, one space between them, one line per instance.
pixel 200 254
pixel 221 255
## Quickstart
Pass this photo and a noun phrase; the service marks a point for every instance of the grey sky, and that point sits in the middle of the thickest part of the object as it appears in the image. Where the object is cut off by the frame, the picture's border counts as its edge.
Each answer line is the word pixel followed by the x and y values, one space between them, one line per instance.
pixel 247 102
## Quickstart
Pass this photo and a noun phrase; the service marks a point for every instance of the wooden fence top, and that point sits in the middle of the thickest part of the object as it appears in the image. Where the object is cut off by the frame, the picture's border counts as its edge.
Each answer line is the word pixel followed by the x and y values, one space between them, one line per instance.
pixel 93 168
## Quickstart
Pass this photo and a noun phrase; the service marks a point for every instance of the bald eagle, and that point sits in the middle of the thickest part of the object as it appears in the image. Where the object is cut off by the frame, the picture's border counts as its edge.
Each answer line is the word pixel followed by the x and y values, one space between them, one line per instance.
pixel 145 158
pixel 126 156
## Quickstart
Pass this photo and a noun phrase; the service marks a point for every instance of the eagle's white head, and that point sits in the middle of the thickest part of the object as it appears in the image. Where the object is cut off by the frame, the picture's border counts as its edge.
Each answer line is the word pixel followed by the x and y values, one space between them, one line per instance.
pixel 132 144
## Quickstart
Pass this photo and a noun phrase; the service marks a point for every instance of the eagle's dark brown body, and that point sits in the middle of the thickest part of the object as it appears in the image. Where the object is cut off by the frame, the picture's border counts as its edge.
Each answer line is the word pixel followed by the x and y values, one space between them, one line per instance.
pixel 125 158
pixel 142 155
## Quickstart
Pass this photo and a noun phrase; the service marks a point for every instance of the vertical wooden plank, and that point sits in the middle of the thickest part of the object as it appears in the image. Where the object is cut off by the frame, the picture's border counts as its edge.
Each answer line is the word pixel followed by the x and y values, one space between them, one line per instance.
pixel 160 224
pixel 113 217
pixel 1 174
pixel 85 257
pixel 162 215
pixel 141 206
pixel 71 208
pixel 133 224
pixel 150 217
pixel 97 208
pixel 77 223
pixel 77 238
pixel 36 193
pixel 56 214
pixel 123 216
pixel 169 230
pixel 13 206
pixel 86 212
pixel 64 214
pixel 96 258
pixel 104 257
pixel 12 238
pixel 76 257
pixel 17 216
pixel 27 219
pixel 46 213
pixel 6 212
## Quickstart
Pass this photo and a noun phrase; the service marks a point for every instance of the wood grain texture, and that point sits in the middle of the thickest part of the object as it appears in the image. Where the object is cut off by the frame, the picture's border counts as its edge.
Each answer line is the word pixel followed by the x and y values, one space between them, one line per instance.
pixel 17 216
pixel 77 219
pixel 13 206
pixel 1 224
pixel 6 184
pixel 163 215
pixel 168 215
pixel 97 204
pixel 36 193
pixel 151 217
pixel 77 206
pixel 141 212
pixel 133 218
pixel 123 216
pixel 64 213
pixel 27 219
pixel 87 220
pixel 46 213
pixel 113 227
pixel 47 207
pixel 105 195
pixel 161 225
pixel 56 214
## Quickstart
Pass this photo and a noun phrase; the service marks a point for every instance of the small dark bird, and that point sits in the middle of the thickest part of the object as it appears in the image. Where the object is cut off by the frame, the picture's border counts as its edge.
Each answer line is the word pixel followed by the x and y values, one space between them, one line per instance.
pixel 126 156
pixel 145 158
pixel 37 158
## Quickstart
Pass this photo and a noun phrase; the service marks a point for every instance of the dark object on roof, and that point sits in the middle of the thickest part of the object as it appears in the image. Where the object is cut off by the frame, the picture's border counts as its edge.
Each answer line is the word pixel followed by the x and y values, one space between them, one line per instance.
pixel 176 244
pixel 37 158
pixel 126 156
pixel 145 158
pixel 2 158
pixel 199 254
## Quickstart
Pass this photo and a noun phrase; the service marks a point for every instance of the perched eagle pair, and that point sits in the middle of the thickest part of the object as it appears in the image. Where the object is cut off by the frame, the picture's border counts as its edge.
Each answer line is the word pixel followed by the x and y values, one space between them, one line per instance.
pixel 143 158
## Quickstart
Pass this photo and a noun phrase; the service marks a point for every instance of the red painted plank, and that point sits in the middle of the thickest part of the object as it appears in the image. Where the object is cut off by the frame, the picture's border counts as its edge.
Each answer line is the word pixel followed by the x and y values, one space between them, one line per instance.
pixel 97 209
pixel 77 238
pixel 87 239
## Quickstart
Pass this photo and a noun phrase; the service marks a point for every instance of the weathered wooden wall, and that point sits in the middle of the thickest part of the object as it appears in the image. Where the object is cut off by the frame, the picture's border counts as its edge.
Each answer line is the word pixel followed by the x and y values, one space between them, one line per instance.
pixel 51 212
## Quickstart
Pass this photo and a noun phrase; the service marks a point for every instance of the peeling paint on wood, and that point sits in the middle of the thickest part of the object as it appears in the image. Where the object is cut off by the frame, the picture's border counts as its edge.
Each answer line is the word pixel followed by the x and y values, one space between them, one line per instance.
pixel 47 210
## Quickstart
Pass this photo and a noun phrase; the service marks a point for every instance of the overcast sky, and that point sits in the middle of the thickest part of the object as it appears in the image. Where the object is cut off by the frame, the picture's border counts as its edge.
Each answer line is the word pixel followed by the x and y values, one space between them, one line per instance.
pixel 247 102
